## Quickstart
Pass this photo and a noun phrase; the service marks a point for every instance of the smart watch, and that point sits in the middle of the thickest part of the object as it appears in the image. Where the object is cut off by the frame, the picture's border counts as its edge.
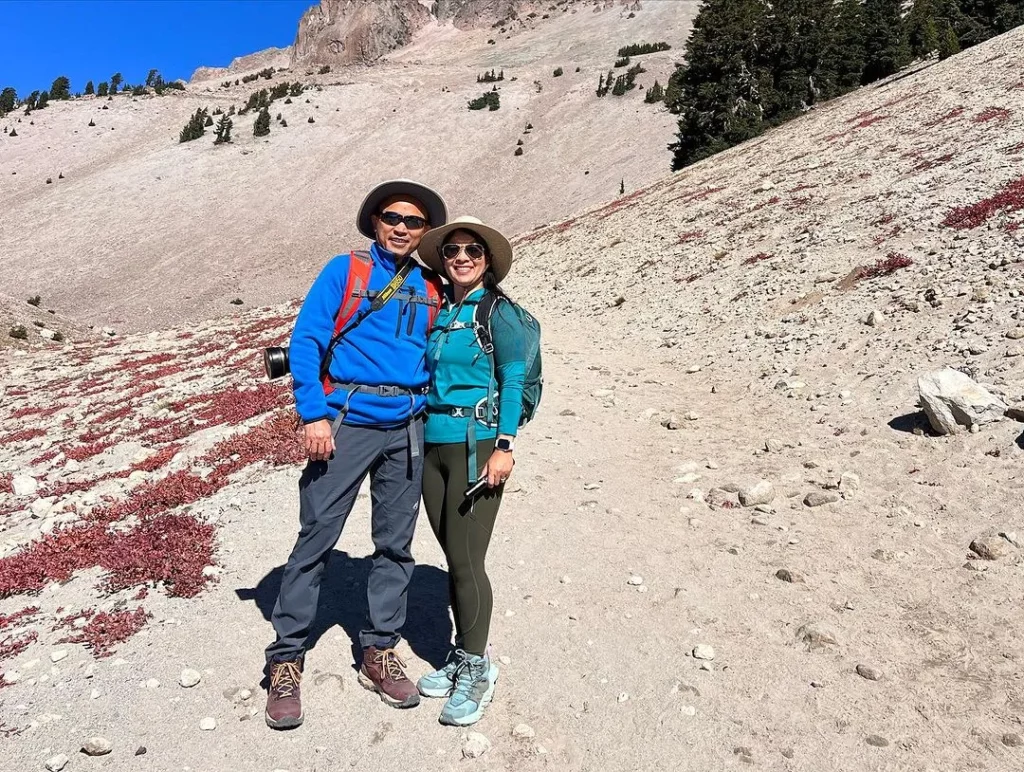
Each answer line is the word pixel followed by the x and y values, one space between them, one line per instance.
pixel 504 444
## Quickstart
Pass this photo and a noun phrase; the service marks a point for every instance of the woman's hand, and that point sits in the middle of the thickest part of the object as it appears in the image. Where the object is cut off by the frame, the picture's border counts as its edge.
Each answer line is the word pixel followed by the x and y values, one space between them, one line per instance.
pixel 318 440
pixel 498 468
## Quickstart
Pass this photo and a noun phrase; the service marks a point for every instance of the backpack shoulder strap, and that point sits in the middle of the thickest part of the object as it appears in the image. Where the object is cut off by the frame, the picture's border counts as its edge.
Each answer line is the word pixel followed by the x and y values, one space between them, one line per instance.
pixel 435 291
pixel 482 321
pixel 360 266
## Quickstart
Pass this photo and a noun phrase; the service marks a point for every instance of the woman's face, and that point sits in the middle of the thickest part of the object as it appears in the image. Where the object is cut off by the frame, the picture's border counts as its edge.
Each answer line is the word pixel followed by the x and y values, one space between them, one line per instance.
pixel 465 258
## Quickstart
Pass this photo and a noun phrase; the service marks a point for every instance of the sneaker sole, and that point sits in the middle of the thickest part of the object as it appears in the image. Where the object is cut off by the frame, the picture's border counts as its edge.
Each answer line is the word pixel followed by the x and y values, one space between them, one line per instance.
pixel 285 723
pixel 476 715
pixel 410 702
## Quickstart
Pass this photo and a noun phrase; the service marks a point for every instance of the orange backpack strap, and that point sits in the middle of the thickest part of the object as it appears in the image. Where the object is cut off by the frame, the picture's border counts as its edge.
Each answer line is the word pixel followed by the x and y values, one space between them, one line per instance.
pixel 435 291
pixel 360 266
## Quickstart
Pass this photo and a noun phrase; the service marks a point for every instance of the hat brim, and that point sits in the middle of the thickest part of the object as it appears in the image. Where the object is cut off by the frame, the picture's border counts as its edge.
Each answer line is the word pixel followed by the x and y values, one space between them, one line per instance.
pixel 436 209
pixel 498 247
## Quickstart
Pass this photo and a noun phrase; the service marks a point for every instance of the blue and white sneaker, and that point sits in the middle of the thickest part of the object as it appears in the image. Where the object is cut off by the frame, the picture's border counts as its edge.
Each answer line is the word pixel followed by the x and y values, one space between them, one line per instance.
pixel 475 679
pixel 441 682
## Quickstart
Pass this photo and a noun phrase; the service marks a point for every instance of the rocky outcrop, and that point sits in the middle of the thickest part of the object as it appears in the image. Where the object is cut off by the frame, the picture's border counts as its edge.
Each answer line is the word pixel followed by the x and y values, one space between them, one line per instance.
pixel 277 58
pixel 339 32
pixel 471 14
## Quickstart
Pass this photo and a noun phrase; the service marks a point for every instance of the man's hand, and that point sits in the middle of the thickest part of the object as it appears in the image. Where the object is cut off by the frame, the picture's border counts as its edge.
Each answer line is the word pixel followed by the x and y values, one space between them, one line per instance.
pixel 318 440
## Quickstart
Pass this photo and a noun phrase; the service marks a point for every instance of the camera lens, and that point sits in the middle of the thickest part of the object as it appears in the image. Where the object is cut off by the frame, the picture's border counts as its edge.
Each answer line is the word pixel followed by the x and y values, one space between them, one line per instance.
pixel 275 362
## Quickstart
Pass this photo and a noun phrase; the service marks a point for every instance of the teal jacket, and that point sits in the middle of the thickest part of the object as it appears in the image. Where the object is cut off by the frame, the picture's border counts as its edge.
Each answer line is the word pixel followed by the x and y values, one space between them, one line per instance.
pixel 460 372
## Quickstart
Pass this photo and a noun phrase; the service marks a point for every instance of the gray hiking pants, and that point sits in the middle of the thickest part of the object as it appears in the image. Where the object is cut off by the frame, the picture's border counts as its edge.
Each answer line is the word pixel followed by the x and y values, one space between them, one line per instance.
pixel 327 492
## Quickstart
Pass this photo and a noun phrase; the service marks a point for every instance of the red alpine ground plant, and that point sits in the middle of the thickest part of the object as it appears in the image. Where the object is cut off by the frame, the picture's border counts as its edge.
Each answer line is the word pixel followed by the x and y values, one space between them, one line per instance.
pixel 956 112
pixel 25 435
pixel 893 262
pixel 759 257
pixel 106 630
pixel 992 114
pixel 18 618
pixel 690 236
pixel 1009 199
pixel 13 645
pixel 6 483
pixel 930 163
pixel 88 451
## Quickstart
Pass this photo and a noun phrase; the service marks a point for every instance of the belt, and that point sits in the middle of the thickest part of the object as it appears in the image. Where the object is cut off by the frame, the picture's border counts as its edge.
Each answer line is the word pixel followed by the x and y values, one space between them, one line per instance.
pixel 383 391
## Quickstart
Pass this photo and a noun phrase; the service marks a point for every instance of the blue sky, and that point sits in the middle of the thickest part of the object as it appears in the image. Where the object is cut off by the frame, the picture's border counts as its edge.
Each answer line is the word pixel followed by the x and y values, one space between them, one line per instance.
pixel 92 39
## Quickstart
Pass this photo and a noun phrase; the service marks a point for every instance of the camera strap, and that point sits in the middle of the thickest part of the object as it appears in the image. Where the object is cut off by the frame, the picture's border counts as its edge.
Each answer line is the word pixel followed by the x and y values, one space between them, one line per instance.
pixel 378 302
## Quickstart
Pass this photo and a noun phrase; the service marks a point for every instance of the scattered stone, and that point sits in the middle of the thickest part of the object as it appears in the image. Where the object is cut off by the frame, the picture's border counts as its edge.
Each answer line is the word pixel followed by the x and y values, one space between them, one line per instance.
pixel 874 319
pixel 1015 334
pixel 1012 740
pixel 952 400
pixel 719 498
pixel 476 746
pixel 623 697
pixel 97 746
pixel 140 751
pixel 820 498
pixel 761 492
pixel 523 730
pixel 817 635
pixel 208 724
pixel 868 672
pixel 505 660
pixel 693 369
pixel 773 446
pixel 189 678
pixel 635 580
pixel 671 423
pixel 849 484
pixel 566 579
pixel 703 651
pixel 991 547
pixel 151 683
pixel 789 576
pixel 688 710
pixel 57 763
pixel 237 694
pixel 878 741
pixel 58 655
pixel 1015 413
pixel 24 485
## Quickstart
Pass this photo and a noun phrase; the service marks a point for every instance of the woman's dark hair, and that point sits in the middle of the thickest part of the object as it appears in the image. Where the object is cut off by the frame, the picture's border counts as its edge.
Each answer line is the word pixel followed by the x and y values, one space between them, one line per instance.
pixel 492 286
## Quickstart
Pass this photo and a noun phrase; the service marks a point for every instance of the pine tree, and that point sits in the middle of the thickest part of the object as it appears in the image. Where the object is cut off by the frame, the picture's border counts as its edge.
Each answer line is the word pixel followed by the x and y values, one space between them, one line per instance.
pixel 719 104
pixel 89 89
pixel 102 89
pixel 921 30
pixel 61 88
pixel 654 94
pixel 195 128
pixel 262 126
pixel 948 42
pixel 152 76
pixel 223 131
pixel 30 103
pixel 115 81
pixel 622 186
pixel 43 100
pixel 8 100
pixel 885 48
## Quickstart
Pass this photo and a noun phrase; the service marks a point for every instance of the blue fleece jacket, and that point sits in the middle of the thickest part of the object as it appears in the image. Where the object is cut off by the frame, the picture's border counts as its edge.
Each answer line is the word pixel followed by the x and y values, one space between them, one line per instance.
pixel 387 349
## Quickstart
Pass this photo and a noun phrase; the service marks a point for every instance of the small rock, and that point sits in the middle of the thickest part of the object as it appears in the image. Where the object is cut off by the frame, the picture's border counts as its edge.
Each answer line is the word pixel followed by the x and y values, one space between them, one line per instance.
pixel 868 672
pixel 208 724
pixel 671 423
pixel 991 547
pixel 523 730
pixel 97 746
pixel 693 369
pixel 878 741
pixel 505 660
pixel 140 751
pixel 688 710
pixel 1012 740
pixel 151 683
pixel 565 580
pixel 874 319
pixel 703 651
pixel 1015 334
pixel 849 484
pixel 476 746
pixel 817 634
pixel 24 485
pixel 761 492
pixel 237 694
pixel 623 696
pixel 58 655
pixel 189 678
pixel 820 498
pixel 789 576
pixel 952 399
pixel 635 580
pixel 57 763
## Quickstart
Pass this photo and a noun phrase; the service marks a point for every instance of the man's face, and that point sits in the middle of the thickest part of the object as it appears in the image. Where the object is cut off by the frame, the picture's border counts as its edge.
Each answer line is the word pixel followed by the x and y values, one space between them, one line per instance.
pixel 400 239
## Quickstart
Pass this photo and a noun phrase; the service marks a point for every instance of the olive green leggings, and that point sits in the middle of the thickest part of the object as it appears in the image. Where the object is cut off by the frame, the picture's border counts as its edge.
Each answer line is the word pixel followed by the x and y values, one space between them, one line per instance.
pixel 463 529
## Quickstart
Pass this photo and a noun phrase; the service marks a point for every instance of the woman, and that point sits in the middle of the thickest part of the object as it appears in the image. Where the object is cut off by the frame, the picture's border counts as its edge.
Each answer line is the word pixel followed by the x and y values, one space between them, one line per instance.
pixel 466 446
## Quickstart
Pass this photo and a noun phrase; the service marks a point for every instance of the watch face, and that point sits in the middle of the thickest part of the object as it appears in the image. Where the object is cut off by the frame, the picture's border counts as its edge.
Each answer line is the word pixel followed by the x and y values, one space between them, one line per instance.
pixel 503 445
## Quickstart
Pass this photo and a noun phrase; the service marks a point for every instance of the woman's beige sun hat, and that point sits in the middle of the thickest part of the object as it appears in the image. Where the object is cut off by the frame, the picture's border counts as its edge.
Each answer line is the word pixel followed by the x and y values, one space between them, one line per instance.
pixel 498 248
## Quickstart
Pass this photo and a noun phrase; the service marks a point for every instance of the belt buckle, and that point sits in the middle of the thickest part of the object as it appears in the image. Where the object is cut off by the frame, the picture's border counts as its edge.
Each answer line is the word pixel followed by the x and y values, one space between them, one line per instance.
pixel 458 412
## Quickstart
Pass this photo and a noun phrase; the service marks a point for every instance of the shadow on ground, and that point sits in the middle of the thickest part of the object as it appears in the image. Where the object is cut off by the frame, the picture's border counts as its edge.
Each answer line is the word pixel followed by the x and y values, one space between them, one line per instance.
pixel 343 602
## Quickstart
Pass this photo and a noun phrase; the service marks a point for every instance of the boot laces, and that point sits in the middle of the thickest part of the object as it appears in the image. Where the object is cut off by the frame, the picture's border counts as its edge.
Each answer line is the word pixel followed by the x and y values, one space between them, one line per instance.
pixel 284 678
pixel 391 666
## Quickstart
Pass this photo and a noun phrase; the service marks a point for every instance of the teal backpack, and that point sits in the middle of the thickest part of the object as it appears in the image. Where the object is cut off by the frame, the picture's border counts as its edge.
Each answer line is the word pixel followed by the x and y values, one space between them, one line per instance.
pixel 533 385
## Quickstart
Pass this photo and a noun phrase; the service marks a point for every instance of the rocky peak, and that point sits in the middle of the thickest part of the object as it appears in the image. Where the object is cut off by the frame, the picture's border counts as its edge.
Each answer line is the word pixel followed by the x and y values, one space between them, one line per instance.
pixel 356 31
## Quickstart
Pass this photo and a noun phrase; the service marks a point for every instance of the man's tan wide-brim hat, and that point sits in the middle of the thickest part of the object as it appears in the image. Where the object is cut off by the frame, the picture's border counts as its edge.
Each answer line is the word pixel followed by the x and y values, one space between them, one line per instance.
pixel 498 248
pixel 436 209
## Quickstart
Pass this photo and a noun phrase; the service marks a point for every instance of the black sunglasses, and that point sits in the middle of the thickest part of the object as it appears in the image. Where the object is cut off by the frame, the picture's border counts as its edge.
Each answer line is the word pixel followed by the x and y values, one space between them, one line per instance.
pixel 473 251
pixel 412 221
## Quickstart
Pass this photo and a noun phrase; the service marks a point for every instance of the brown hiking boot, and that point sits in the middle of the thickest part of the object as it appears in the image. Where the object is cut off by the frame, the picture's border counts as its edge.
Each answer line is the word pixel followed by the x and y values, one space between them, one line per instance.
pixel 383 672
pixel 284 706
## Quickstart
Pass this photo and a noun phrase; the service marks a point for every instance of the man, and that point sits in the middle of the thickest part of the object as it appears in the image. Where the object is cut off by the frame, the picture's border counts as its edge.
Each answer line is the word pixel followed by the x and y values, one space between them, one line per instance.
pixel 364 418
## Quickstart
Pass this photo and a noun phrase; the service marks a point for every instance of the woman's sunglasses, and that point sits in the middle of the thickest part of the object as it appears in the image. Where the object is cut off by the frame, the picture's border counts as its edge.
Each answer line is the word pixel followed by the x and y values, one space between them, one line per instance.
pixel 412 222
pixel 473 251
